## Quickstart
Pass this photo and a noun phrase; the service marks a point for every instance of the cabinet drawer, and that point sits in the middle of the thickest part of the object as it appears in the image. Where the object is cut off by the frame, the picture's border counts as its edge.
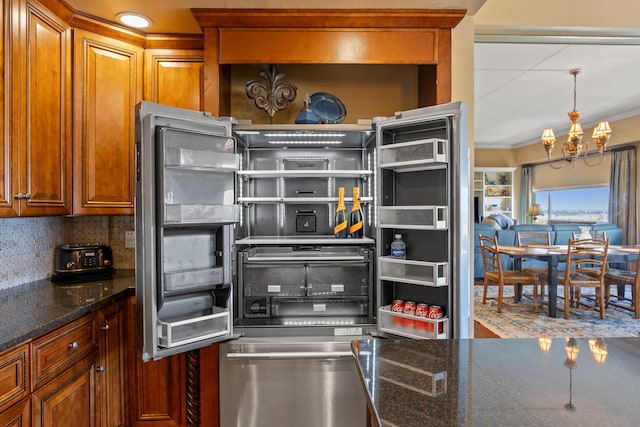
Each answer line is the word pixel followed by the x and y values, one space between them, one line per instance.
pixel 56 350
pixel 14 378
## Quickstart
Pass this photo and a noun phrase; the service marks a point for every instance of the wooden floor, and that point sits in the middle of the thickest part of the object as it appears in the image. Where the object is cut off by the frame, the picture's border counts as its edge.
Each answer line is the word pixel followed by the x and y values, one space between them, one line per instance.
pixel 480 331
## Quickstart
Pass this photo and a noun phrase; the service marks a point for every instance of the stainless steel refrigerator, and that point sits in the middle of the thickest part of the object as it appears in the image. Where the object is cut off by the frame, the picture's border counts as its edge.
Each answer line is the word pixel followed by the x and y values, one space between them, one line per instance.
pixel 235 244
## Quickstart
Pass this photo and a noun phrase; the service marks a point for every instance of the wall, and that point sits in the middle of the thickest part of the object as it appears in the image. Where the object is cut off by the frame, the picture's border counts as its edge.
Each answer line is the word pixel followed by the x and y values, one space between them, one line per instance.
pixel 27 245
pixel 507 16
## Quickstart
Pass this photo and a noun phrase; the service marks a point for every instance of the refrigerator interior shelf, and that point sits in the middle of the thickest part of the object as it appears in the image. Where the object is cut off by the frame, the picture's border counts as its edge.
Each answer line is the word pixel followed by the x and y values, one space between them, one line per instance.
pixel 171 334
pixel 415 272
pixel 301 240
pixel 207 214
pixel 405 325
pixel 186 158
pixel 192 279
pixel 414 217
pixel 301 200
pixel 305 173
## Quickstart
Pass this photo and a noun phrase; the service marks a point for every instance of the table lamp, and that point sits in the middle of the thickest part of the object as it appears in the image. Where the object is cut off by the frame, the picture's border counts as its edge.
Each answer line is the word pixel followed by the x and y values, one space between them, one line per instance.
pixel 534 211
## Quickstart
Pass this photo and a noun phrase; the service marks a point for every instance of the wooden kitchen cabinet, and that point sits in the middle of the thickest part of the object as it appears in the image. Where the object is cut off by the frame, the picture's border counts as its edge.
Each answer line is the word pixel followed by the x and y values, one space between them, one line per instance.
pixel 19 415
pixel 36 163
pixel 174 77
pixel 70 399
pixel 108 77
pixel 156 389
pixel 14 378
pixel 111 322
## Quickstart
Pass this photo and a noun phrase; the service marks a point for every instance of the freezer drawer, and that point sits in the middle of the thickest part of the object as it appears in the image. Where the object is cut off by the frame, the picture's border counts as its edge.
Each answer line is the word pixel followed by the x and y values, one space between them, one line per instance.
pixel 276 383
pixel 337 279
pixel 306 307
pixel 274 279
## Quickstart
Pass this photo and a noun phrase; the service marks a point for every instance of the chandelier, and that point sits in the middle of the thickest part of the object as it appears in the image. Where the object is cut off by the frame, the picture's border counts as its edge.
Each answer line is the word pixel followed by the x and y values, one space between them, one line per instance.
pixel 575 146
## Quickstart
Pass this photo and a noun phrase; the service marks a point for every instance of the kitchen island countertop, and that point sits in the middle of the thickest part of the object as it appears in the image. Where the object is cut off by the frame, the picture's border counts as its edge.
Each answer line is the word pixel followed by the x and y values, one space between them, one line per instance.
pixel 35 308
pixel 500 382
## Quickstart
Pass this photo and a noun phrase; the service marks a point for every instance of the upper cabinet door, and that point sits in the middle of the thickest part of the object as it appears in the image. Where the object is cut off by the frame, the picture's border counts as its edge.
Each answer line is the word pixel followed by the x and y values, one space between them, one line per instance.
pixel 107 86
pixel 39 78
pixel 174 77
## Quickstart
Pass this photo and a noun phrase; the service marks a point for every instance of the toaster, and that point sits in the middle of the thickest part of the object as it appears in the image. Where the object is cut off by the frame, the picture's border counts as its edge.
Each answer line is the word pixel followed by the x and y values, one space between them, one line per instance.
pixel 82 262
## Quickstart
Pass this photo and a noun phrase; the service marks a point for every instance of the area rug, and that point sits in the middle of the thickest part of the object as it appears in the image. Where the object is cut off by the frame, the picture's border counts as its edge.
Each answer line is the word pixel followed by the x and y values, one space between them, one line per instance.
pixel 521 322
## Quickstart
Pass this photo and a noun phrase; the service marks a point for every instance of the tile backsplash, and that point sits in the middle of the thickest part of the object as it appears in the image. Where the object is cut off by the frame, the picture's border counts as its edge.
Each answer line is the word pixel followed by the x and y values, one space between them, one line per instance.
pixel 27 245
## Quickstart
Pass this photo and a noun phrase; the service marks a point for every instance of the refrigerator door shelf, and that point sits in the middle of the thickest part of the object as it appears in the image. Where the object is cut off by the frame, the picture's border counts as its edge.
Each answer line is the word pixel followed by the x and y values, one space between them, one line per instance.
pixel 172 334
pixel 176 281
pixel 414 217
pixel 213 161
pixel 201 214
pixel 414 153
pixel 415 272
pixel 410 326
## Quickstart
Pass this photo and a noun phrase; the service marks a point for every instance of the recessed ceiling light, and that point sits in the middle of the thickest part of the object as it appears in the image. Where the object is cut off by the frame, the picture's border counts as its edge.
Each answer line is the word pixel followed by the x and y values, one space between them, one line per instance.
pixel 133 19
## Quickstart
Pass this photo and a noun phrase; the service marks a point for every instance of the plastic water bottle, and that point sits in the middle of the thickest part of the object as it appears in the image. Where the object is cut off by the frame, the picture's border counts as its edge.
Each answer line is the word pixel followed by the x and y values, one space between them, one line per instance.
pixel 398 247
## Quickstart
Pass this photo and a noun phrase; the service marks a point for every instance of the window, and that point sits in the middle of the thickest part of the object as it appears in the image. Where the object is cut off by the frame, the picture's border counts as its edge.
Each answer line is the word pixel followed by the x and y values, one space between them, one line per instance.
pixel 573 205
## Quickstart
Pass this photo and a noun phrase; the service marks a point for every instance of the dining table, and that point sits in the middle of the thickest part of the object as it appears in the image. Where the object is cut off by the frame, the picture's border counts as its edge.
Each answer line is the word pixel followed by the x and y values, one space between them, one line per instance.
pixel 556 254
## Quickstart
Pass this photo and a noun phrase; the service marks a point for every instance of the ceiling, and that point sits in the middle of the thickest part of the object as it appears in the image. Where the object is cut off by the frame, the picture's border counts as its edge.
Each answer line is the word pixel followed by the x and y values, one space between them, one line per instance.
pixel 520 87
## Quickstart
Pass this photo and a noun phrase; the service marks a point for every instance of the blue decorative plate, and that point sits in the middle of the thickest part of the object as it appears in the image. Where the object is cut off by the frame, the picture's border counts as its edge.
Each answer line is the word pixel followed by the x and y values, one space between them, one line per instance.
pixel 327 107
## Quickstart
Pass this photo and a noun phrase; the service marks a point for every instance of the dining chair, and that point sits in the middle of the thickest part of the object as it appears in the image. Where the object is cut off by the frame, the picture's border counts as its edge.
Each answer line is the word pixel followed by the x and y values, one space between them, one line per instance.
pixel 613 277
pixel 537 268
pixel 585 268
pixel 493 272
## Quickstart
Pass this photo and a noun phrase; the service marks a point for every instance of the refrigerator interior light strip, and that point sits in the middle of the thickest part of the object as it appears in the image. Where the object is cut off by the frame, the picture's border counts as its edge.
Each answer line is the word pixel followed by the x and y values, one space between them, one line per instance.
pixel 305 135
pixel 302 142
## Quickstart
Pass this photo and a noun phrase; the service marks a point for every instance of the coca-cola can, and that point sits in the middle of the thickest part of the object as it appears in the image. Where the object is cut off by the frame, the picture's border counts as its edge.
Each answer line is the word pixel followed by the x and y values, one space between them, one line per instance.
pixel 422 310
pixel 397 306
pixel 409 310
pixel 435 312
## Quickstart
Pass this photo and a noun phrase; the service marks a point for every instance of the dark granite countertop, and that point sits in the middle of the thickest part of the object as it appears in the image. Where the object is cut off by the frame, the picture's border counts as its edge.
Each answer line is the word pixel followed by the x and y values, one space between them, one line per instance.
pixel 34 308
pixel 500 382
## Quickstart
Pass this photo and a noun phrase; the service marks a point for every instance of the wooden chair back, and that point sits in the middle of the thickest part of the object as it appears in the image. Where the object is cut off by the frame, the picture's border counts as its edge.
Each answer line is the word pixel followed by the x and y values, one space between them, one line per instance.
pixel 587 257
pixel 528 238
pixel 490 255
pixel 594 235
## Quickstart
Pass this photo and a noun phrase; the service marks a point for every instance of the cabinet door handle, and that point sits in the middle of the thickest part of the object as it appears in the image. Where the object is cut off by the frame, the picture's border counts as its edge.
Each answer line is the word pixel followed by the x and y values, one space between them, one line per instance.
pixel 18 196
pixel 100 369
pixel 27 196
pixel 105 328
pixel 74 345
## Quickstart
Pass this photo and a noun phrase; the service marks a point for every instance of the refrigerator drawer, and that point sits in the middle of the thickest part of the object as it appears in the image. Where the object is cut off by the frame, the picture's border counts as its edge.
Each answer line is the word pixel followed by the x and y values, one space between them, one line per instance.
pixel 415 272
pixel 180 332
pixel 192 279
pixel 337 279
pixel 289 307
pixel 274 280
pixel 414 217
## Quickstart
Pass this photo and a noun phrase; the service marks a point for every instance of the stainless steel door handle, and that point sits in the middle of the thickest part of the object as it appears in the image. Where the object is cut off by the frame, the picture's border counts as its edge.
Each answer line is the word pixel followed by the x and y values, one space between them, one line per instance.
pixel 274 355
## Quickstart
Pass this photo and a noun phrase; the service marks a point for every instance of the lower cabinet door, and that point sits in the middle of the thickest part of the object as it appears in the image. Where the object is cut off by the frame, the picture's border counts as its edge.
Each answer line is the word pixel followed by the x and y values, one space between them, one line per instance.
pixel 17 416
pixel 69 399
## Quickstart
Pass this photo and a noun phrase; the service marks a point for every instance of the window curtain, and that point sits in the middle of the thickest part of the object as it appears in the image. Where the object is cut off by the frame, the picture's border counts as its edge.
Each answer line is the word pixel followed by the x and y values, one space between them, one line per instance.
pixel 623 199
pixel 526 193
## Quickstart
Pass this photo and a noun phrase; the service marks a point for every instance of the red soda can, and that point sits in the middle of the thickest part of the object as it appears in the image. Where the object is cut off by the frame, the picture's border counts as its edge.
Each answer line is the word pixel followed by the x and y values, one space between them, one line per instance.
pixel 435 312
pixel 409 310
pixel 397 306
pixel 422 310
